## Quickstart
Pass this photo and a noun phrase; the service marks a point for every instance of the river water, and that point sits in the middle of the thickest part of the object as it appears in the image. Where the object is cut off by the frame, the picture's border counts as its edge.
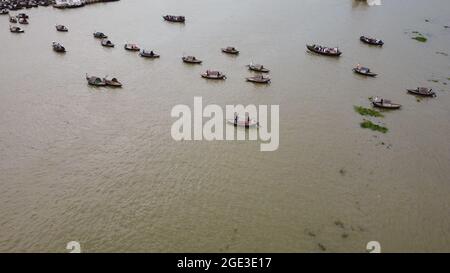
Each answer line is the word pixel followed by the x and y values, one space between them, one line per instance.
pixel 99 166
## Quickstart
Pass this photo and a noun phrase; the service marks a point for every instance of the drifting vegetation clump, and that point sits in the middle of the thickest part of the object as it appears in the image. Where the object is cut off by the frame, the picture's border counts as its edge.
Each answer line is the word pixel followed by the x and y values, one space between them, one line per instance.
pixel 367 112
pixel 367 124
pixel 419 37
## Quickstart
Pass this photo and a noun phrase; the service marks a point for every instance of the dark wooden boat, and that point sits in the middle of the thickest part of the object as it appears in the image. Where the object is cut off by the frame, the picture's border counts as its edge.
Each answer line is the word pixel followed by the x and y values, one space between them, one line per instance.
pixel 23 15
pixel 230 50
pixel 12 20
pixel 371 41
pixel 95 81
pixel 243 123
pixel 258 68
pixel 174 19
pixel 386 104
pixel 100 35
pixel 148 54
pixel 214 75
pixel 58 47
pixel 107 43
pixel 16 29
pixel 364 71
pixel 131 47
pixel 333 52
pixel 191 60
pixel 113 82
pixel 259 79
pixel 61 28
pixel 422 91
pixel 23 21
pixel 4 12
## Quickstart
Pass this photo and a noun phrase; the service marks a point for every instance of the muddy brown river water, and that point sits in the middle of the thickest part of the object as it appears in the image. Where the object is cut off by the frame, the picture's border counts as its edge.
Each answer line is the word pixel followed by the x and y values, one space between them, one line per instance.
pixel 99 166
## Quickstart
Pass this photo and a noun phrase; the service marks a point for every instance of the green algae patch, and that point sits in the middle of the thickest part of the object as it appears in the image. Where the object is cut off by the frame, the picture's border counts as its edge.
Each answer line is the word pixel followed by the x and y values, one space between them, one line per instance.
pixel 367 111
pixel 367 124
pixel 418 37
pixel 421 39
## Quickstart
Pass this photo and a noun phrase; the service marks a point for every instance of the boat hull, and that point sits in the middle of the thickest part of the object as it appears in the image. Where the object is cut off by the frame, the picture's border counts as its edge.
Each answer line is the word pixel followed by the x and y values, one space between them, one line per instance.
pixel 329 54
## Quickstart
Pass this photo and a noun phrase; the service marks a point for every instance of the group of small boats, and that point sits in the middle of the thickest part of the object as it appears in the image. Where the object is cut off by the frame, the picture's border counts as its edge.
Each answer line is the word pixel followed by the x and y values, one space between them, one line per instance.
pixel 105 81
pixel 387 104
pixel 20 18
pixel 216 75
pixel 359 69
pixel 6 5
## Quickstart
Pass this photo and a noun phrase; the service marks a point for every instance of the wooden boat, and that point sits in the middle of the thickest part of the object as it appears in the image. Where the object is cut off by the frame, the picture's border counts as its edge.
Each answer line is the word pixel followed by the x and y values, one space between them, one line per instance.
pixel 131 47
pixel 100 35
pixel 259 79
pixel 364 71
pixel 230 50
pixel 244 123
pixel 4 12
pixel 14 29
pixel 61 28
pixel 258 68
pixel 95 81
pixel 383 103
pixel 174 19
pixel 12 20
pixel 58 47
pixel 191 60
pixel 371 41
pixel 148 54
pixel 113 82
pixel 214 75
pixel 322 50
pixel 23 15
pixel 107 43
pixel 422 91
pixel 23 21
